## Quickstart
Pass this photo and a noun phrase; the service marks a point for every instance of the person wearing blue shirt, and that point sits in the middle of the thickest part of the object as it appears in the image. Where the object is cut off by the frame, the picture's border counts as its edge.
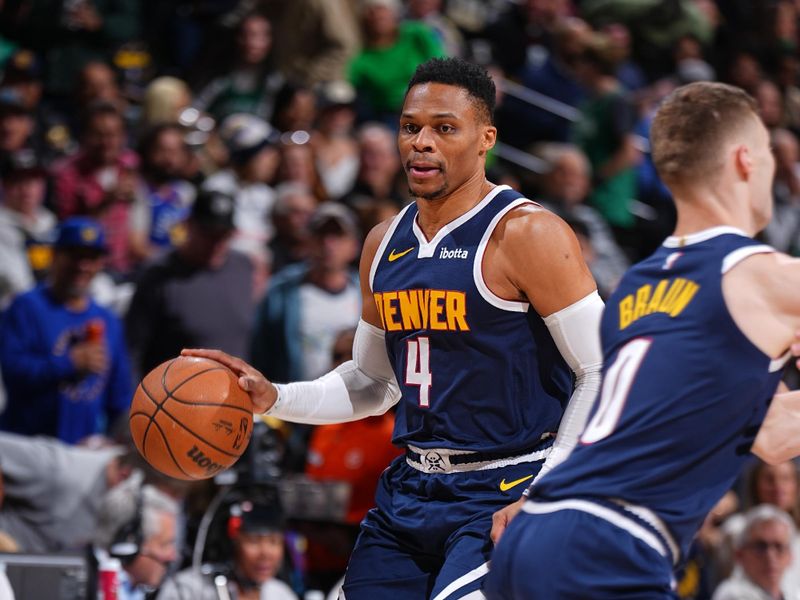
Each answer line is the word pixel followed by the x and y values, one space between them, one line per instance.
pixel 65 366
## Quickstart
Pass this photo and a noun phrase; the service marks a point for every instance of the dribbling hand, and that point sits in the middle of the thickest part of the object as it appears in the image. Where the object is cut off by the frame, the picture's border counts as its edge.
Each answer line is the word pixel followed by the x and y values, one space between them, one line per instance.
pixel 262 393
pixel 502 518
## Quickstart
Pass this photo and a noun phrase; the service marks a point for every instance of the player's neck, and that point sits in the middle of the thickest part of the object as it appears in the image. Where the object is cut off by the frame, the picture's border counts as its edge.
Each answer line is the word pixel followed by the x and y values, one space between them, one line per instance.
pixel 704 210
pixel 435 214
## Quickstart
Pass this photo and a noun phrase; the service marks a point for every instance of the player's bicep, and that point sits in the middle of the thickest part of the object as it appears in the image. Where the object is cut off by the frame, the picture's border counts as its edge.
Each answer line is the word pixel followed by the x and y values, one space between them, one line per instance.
pixel 546 263
pixel 369 310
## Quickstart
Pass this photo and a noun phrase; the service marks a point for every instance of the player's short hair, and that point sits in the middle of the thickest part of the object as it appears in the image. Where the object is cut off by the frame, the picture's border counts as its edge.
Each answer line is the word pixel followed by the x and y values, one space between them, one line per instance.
pixel 691 126
pixel 472 78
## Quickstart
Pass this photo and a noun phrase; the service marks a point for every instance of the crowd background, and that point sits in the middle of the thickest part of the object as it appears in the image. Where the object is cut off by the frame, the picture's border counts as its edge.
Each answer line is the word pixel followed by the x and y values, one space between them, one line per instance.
pixel 180 173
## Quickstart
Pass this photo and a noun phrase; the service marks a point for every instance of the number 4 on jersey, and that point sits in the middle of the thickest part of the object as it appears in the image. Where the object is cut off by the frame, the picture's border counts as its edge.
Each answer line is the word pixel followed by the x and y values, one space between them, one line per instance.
pixel 418 368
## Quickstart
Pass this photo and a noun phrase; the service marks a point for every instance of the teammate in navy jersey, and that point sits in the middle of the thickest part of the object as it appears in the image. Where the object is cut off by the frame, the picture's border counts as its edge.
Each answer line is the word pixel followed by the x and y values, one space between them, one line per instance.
pixel 478 313
pixel 694 341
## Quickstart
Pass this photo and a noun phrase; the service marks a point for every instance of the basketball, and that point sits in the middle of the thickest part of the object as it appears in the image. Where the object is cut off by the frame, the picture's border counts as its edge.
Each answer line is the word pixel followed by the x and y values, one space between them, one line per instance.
pixel 190 419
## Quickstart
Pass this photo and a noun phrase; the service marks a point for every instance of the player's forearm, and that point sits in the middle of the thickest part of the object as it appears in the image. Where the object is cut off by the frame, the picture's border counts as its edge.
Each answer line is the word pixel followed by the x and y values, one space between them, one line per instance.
pixel 777 440
pixel 576 332
pixel 362 387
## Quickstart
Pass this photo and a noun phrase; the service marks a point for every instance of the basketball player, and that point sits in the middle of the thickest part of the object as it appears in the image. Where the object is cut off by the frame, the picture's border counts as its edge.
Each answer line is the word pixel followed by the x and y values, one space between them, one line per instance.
pixel 694 341
pixel 476 301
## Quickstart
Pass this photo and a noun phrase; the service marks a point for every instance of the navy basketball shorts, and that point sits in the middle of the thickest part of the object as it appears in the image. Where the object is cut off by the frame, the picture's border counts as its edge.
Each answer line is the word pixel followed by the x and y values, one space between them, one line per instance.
pixel 571 554
pixel 428 537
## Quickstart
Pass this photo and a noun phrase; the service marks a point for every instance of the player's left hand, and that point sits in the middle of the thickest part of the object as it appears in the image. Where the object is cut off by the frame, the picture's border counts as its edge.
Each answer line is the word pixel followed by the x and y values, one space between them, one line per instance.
pixel 502 518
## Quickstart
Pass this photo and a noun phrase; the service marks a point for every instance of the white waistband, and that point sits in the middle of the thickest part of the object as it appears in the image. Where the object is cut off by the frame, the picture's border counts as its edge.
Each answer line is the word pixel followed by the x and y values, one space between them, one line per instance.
pixel 670 552
pixel 437 460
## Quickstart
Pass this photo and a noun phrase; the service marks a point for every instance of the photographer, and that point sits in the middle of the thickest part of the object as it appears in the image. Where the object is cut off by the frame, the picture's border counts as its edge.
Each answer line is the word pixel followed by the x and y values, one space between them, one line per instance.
pixel 256 534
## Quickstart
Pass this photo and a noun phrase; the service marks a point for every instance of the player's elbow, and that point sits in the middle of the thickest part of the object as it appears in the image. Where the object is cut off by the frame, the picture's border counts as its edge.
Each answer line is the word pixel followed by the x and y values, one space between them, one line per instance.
pixel 770 452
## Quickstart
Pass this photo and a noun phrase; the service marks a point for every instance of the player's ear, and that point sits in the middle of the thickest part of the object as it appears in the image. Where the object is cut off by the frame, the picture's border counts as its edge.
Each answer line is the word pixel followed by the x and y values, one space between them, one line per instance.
pixel 488 139
pixel 743 161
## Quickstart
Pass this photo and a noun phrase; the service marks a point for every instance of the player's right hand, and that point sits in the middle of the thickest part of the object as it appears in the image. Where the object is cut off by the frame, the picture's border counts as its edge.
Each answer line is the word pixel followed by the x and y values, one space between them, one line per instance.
pixel 502 518
pixel 89 357
pixel 262 393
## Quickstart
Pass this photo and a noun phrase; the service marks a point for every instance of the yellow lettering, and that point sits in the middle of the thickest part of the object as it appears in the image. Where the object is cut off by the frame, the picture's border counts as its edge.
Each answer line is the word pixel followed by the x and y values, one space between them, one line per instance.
pixel 686 296
pixel 409 309
pixel 457 311
pixel 672 294
pixel 658 296
pixel 642 297
pixel 626 311
pixel 379 305
pixel 437 308
pixel 389 311
pixel 424 297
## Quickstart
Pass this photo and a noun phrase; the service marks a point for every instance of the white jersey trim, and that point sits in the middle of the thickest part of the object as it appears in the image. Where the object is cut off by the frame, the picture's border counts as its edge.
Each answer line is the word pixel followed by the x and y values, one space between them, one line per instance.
pixel 737 256
pixel 473 575
pixel 477 265
pixel 679 241
pixel 426 248
pixel 385 242
pixel 638 531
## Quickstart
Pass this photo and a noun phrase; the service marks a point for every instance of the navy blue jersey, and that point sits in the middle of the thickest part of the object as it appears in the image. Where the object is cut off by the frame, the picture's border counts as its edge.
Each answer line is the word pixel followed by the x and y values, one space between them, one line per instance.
pixel 476 372
pixel 684 391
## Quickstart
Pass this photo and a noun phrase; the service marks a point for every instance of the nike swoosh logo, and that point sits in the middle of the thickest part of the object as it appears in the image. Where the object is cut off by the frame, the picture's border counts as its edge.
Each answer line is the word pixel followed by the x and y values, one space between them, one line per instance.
pixel 504 487
pixel 393 256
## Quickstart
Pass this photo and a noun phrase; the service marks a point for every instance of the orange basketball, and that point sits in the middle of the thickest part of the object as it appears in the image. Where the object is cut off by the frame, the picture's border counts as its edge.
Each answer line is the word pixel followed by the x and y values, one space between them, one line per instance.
pixel 190 419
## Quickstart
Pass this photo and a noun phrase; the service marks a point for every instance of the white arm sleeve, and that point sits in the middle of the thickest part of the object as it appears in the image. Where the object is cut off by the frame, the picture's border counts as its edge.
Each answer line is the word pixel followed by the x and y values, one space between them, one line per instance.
pixel 362 387
pixel 576 332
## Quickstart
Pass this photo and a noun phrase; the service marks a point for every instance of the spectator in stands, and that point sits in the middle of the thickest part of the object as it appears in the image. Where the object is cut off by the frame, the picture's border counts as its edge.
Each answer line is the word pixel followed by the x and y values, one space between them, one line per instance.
pixel 315 39
pixel 52 491
pixel 65 366
pixel 249 84
pixel 295 108
pixel 430 13
pixel 97 83
pixel 100 181
pixel 68 35
pixel 254 157
pixel 605 134
pixel 783 232
pixel 770 104
pixel 26 226
pixel 256 534
pixel 308 304
pixel 564 186
pixel 779 486
pixel 392 50
pixel 299 164
pixel 164 100
pixel 163 198
pixel 138 523
pixel 379 180
pixel 763 553
pixel 524 30
pixel 16 123
pixel 555 77
pixel 334 141
pixel 198 295
pixel 294 206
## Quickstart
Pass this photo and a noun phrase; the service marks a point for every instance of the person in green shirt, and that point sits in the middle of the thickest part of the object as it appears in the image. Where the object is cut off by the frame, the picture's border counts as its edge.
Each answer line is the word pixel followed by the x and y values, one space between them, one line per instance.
pixel 392 50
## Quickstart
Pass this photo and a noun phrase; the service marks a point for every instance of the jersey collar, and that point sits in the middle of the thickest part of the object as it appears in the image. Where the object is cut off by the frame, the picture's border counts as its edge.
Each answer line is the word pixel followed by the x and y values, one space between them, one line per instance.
pixel 679 241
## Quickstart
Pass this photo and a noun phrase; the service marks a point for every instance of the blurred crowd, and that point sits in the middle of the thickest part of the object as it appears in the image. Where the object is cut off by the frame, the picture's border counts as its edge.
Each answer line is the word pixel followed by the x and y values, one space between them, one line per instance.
pixel 181 173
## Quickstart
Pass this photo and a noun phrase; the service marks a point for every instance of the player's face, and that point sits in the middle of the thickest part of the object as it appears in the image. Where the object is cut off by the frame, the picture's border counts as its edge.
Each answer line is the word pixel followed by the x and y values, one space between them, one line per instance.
pixel 259 555
pixel 443 139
